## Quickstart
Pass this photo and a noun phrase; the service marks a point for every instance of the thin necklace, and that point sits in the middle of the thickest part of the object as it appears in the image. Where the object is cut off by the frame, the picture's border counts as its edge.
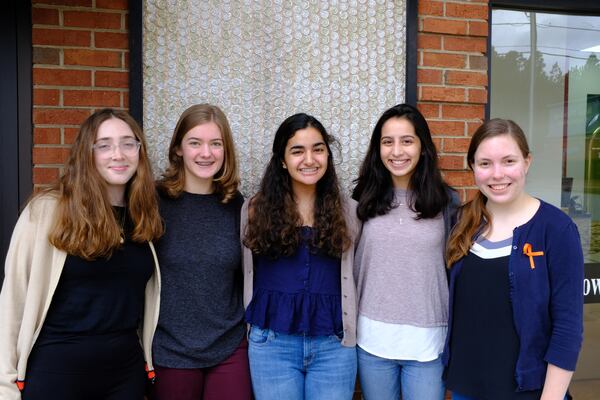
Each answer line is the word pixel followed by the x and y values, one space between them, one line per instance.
pixel 122 225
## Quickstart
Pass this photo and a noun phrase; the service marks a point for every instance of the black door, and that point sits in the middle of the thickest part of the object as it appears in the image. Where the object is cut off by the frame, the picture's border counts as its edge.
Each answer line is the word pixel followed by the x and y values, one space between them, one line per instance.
pixel 15 115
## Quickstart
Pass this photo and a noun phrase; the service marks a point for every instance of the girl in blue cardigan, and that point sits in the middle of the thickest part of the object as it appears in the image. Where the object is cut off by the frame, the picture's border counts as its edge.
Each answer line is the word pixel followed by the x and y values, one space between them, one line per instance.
pixel 516 302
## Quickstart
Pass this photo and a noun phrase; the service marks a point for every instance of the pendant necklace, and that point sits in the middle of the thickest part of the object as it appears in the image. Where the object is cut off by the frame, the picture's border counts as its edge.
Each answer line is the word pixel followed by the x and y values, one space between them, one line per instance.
pixel 122 225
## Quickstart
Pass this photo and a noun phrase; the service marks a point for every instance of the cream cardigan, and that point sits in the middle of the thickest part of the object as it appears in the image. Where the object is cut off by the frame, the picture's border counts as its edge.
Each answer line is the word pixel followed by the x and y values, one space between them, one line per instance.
pixel 32 271
pixel 349 302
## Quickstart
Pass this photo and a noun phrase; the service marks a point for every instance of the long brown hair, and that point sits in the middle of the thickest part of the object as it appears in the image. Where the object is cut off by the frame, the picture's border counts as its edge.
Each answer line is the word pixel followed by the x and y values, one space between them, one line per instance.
pixel 473 216
pixel 86 225
pixel 226 180
pixel 274 220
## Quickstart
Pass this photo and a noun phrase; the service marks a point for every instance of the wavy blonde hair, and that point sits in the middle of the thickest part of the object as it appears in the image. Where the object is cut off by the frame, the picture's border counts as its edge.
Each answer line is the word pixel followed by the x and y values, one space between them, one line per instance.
pixel 226 180
pixel 86 225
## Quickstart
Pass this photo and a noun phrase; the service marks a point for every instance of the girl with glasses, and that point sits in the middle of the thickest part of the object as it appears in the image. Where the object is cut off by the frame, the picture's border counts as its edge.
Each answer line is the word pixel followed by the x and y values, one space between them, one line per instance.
pixel 82 279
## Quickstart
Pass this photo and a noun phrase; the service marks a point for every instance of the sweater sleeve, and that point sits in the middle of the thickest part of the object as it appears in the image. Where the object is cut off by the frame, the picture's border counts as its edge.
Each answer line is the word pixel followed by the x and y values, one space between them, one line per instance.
pixel 247 262
pixel 12 301
pixel 565 269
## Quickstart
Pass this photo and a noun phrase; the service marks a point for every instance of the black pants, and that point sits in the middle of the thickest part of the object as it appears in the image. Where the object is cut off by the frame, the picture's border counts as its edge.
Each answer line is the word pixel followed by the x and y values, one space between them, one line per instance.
pixel 117 385
pixel 87 368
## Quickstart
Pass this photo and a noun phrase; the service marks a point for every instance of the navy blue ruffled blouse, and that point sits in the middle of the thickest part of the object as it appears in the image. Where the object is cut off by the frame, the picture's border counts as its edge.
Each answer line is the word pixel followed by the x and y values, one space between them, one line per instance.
pixel 299 294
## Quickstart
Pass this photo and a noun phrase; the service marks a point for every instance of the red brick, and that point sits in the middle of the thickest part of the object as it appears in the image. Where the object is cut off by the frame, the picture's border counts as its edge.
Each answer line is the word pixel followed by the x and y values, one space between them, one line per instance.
pixel 126 60
pixel 472 127
pixel 452 162
pixel 471 11
pixel 456 145
pixel 100 98
pixel 477 44
pixel 50 155
pixel 92 19
pixel 429 76
pixel 50 116
pixel 459 178
pixel 94 58
pixel 429 7
pixel 109 40
pixel 112 4
pixel 463 111
pixel 478 28
pixel 437 143
pixel 44 16
pixel 443 60
pixel 42 176
pixel 466 78
pixel 111 79
pixel 429 42
pixel 45 55
pixel 429 110
pixel 69 135
pixel 447 128
pixel 478 96
pixel 442 25
pixel 46 97
pixel 432 93
pixel 84 3
pixel 61 37
pixel 46 135
pixel 125 100
pixel 61 77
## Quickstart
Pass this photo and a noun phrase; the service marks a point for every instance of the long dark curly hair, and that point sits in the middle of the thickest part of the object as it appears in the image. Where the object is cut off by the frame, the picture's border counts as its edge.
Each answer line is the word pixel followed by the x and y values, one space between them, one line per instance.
pixel 274 222
pixel 374 189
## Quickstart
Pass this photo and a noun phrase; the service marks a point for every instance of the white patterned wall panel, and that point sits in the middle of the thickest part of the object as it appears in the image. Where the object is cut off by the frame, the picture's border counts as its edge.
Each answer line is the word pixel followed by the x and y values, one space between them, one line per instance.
pixel 261 61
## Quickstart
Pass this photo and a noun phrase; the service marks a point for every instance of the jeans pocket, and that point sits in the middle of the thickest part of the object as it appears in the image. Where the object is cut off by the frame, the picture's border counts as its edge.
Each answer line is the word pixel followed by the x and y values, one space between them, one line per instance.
pixel 258 335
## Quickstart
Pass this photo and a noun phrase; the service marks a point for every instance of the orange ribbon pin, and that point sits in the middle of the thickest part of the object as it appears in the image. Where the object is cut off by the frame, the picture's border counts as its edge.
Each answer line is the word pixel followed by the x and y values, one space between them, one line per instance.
pixel 527 251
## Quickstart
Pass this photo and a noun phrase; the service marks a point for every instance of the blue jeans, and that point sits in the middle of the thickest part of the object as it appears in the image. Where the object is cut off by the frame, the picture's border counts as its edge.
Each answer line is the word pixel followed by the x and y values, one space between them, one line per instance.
pixel 297 367
pixel 384 379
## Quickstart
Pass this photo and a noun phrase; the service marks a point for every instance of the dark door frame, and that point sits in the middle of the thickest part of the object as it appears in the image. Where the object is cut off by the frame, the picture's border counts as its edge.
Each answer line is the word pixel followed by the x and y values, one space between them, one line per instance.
pixel 15 114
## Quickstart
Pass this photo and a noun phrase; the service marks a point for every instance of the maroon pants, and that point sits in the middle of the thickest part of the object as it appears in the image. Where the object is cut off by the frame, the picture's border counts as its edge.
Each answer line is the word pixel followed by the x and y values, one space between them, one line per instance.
pixel 229 380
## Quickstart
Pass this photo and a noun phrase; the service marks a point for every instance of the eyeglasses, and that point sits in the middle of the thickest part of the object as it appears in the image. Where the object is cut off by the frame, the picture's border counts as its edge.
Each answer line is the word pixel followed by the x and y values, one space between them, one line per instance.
pixel 129 147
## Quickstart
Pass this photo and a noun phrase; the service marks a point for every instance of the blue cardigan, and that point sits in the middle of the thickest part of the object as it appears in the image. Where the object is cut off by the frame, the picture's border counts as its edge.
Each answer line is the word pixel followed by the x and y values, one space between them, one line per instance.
pixel 547 300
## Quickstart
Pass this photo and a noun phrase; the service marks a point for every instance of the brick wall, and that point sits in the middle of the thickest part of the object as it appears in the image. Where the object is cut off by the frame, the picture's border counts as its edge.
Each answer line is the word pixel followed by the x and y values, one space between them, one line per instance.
pixel 80 57
pixel 452 79
pixel 80 64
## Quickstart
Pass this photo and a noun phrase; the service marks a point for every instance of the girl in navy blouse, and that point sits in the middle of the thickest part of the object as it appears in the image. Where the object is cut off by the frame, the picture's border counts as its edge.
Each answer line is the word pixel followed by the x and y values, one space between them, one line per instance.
pixel 516 304
pixel 299 241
